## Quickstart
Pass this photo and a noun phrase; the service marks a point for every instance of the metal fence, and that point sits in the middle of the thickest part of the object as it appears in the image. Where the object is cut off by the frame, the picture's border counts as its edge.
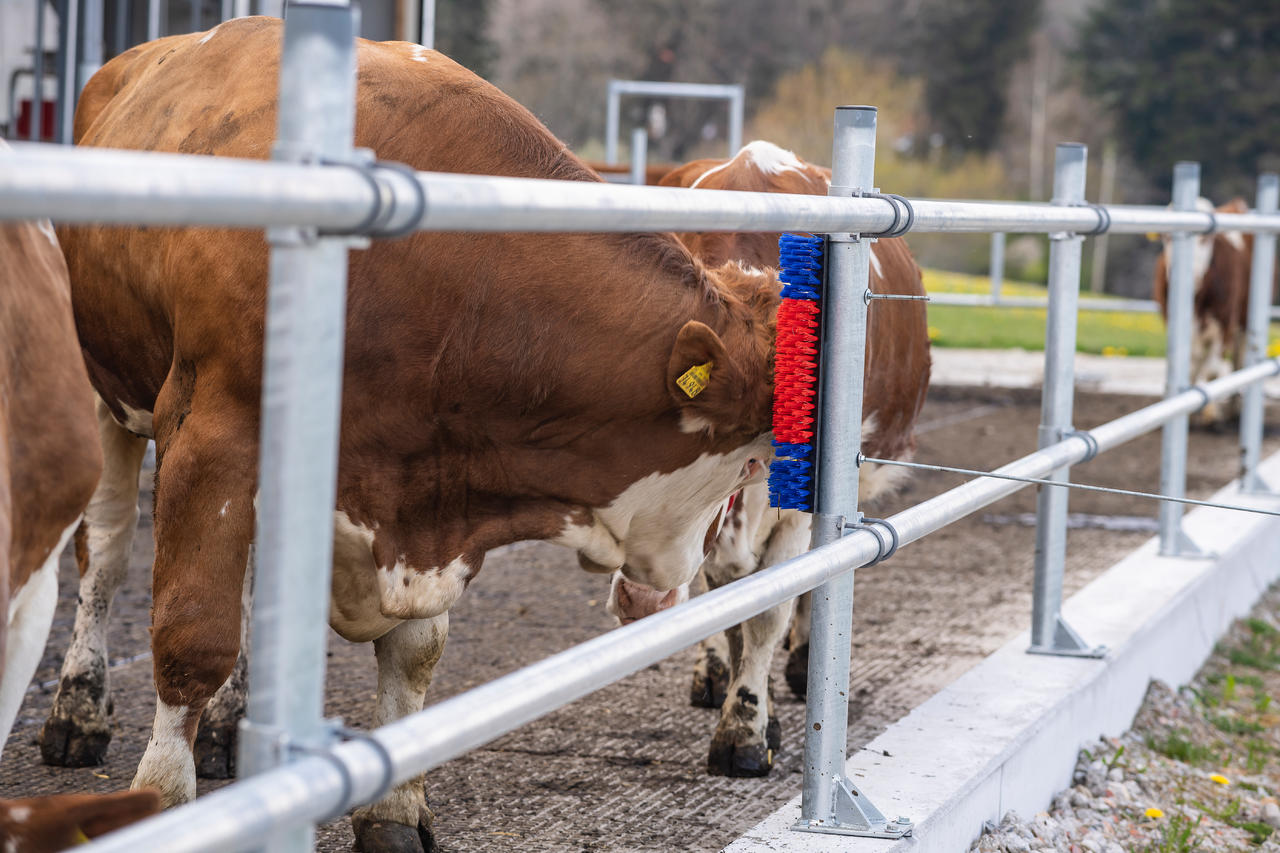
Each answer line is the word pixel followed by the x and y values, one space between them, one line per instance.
pixel 298 200
pixel 733 94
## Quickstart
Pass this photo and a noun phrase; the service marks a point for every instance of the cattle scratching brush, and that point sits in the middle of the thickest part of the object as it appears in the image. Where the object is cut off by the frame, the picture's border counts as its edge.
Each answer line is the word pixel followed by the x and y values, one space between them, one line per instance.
pixel 795 371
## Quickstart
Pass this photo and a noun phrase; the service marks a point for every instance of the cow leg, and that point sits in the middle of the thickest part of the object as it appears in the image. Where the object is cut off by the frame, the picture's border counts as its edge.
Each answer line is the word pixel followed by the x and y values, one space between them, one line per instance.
pixel 1206 358
pixel 797 671
pixel 30 615
pixel 711 671
pixel 78 729
pixel 219 726
pixel 205 479
pixel 407 654
pixel 747 735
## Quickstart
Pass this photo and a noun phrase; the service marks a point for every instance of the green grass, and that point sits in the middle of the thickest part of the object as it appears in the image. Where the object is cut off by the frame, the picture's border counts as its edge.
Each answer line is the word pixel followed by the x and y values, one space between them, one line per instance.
pixel 1179 748
pixel 1098 332
pixel 1234 725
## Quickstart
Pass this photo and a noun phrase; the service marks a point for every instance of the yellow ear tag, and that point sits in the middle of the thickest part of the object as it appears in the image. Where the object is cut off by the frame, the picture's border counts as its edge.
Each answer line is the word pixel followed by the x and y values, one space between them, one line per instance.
pixel 694 380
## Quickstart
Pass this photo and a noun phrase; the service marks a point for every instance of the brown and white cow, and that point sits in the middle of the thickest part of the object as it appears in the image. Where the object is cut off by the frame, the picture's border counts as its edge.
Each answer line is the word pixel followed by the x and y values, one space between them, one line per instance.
pixel 49 463
pixel 754 536
pixel 497 387
pixel 1220 279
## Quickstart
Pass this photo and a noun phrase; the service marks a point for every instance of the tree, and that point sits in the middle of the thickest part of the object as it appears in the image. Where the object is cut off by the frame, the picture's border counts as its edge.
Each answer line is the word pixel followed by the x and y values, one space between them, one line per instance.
pixel 462 34
pixel 966 50
pixel 1189 80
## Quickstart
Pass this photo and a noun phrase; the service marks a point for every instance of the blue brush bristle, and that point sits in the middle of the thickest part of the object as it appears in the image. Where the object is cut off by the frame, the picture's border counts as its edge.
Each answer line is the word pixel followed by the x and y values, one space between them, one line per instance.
pixel 800 259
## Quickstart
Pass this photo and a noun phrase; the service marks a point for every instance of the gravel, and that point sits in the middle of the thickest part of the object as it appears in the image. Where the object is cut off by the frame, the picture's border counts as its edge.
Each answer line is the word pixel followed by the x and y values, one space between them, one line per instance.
pixel 1199 770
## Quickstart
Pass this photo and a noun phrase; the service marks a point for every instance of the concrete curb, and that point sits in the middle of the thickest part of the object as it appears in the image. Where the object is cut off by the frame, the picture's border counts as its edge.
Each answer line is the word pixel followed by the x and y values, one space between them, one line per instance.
pixel 1004 736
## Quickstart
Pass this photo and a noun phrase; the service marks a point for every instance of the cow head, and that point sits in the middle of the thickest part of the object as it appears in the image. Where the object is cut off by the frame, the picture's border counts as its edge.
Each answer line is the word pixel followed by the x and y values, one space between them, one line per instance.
pixel 657 531
pixel 1202 252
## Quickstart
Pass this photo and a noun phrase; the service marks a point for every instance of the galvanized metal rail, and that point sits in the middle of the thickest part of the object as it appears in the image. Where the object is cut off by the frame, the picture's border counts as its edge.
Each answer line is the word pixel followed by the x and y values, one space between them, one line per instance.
pixel 147 188
pixel 278 805
pixel 234 817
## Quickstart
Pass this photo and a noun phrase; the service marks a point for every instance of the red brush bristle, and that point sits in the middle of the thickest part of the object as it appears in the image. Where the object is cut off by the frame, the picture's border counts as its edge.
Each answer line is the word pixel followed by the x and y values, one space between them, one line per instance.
pixel 795 369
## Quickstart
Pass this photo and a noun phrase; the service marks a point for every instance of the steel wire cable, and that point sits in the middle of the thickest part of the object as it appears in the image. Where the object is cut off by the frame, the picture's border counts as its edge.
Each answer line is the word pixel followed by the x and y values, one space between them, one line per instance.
pixel 924 466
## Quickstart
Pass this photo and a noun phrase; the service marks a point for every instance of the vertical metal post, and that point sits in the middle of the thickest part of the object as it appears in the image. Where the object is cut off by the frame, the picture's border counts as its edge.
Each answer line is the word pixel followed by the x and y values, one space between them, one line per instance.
pixel 120 40
pixel 1106 194
pixel 1173 449
pixel 997 265
pixel 611 122
pixel 37 97
pixel 193 25
pixel 737 107
pixel 67 79
pixel 239 8
pixel 301 392
pixel 1050 633
pixel 91 36
pixel 830 802
pixel 639 155
pixel 153 20
pixel 1261 275
pixel 427 38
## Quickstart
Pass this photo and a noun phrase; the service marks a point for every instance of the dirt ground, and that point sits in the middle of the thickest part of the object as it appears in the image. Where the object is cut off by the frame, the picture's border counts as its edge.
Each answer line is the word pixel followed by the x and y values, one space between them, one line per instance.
pixel 622 769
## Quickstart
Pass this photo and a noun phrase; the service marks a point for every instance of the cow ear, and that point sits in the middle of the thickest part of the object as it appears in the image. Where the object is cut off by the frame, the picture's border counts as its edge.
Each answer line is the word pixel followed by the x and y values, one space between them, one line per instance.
pixel 708 386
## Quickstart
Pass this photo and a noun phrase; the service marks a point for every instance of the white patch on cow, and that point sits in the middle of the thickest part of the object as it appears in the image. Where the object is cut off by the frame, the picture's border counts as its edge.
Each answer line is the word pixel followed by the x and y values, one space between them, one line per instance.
pixel 661 520
pixel 366 600
pixel 30 615
pixel 168 765
pixel 19 814
pixel 1235 238
pixel 222 513
pixel 355 606
pixel 594 541
pixel 46 228
pixel 136 421
pixel 766 156
pixel 748 269
pixel 875 262
pixel 770 158
pixel 411 593
pixel 709 173
pixel 1201 258
pixel 208 35
pixel 691 424
pixel 420 53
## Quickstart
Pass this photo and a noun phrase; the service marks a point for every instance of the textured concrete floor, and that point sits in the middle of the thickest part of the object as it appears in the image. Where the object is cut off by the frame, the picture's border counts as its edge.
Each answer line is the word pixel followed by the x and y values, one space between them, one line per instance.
pixel 621 770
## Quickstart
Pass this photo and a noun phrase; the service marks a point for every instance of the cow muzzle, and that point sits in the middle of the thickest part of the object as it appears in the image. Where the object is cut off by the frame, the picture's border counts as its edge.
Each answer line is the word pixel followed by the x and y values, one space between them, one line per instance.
pixel 629 601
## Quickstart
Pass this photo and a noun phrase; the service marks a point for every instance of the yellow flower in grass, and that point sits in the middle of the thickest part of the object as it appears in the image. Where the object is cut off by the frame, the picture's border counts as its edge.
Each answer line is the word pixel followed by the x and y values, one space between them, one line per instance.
pixel 1154 813
pixel 934 333
pixel 1273 350
pixel 1220 779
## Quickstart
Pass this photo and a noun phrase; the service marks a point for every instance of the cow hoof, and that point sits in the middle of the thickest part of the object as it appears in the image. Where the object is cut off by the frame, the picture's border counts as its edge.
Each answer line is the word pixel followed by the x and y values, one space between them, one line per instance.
pixel 215 750
pixel 710 686
pixel 797 671
pixel 66 743
pixel 742 761
pixel 384 836
pixel 773 735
